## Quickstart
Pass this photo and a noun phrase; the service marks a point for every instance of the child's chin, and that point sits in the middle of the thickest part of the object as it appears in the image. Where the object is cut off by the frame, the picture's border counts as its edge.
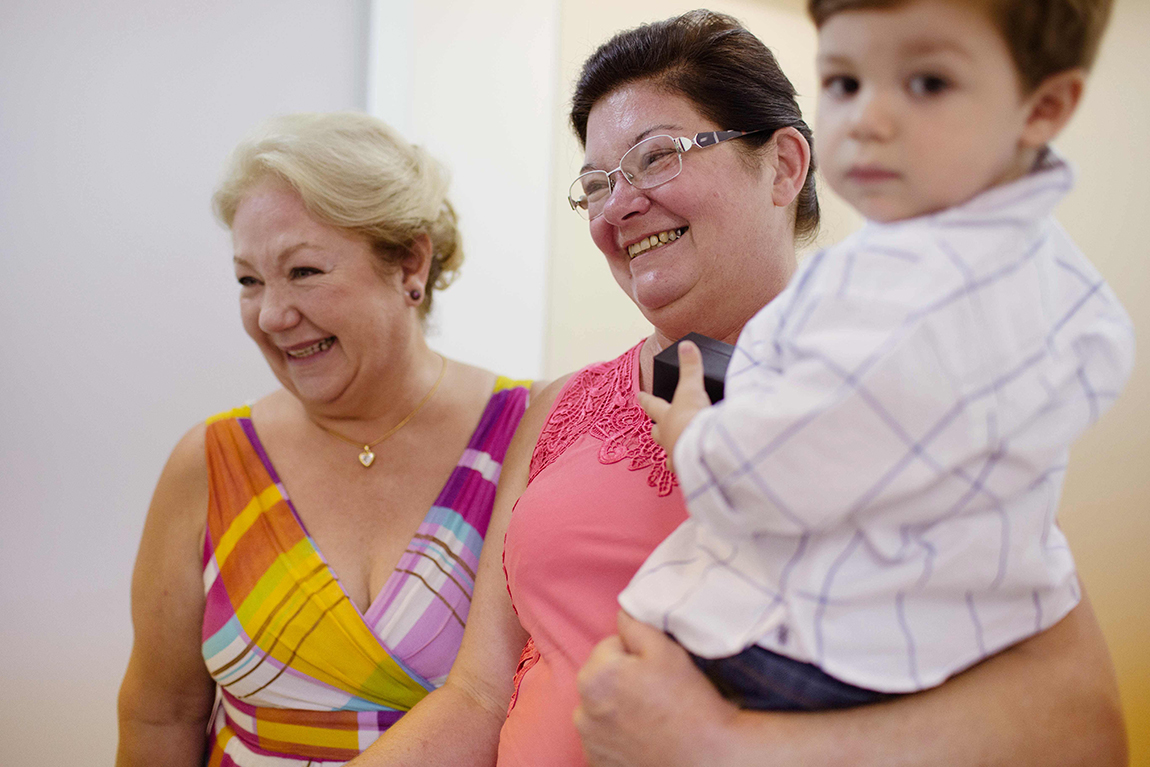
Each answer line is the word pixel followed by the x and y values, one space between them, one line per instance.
pixel 885 214
pixel 889 211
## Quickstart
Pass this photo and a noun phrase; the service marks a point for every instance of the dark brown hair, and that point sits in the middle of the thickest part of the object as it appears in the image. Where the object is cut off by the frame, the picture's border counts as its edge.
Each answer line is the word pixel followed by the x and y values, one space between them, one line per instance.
pixel 1045 37
pixel 725 71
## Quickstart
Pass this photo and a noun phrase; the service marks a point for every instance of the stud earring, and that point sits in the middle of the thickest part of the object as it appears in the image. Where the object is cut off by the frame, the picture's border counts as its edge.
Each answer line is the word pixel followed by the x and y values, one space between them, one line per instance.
pixel 416 294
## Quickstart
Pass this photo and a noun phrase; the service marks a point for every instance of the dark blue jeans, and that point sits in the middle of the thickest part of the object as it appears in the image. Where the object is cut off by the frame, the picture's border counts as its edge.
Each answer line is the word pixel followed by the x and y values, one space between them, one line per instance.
pixel 766 681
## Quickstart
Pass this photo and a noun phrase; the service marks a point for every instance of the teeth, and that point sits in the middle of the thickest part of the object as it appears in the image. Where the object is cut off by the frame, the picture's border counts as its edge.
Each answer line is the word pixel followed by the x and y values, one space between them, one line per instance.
pixel 316 348
pixel 655 240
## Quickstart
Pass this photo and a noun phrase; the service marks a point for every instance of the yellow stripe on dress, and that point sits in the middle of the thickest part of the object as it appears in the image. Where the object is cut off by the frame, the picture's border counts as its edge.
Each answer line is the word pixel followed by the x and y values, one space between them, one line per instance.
pixel 256 506
pixel 503 382
pixel 291 604
pixel 243 411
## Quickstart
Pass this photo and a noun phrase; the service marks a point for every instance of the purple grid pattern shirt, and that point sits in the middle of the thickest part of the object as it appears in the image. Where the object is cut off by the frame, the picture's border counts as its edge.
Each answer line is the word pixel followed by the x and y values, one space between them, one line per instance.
pixel 877 492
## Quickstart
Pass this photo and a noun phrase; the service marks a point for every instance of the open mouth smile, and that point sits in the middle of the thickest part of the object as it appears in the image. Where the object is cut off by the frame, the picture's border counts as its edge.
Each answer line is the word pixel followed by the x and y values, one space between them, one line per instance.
pixel 655 241
pixel 308 351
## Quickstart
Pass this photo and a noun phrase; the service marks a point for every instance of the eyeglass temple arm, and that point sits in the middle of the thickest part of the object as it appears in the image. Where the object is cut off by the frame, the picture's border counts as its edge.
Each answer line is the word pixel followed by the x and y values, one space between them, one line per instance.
pixel 712 137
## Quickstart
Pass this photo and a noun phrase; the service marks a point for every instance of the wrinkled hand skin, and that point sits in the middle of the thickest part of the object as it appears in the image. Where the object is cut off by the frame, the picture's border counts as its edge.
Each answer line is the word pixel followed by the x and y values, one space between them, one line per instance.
pixel 644 704
pixel 670 419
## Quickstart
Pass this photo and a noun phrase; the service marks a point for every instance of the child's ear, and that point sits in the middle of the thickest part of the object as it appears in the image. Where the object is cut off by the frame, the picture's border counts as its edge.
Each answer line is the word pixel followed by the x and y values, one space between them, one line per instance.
pixel 1051 106
pixel 792 157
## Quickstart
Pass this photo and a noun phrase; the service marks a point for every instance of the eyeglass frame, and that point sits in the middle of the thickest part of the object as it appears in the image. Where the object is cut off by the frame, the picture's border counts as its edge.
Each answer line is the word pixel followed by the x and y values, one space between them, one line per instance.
pixel 681 143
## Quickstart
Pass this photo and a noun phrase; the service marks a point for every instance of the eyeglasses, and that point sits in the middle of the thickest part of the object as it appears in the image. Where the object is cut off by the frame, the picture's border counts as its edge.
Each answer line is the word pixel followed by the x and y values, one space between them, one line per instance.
pixel 651 162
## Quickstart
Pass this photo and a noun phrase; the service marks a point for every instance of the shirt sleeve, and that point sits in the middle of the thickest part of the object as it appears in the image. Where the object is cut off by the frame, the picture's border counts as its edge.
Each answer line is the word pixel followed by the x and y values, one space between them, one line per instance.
pixel 856 407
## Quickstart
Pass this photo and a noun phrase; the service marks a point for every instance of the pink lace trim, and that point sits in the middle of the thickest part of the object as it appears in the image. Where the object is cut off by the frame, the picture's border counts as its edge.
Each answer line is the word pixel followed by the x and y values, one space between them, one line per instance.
pixel 599 400
pixel 528 658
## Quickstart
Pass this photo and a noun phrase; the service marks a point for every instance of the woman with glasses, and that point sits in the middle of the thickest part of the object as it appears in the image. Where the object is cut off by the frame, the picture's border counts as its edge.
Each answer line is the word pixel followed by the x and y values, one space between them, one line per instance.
pixel 698 182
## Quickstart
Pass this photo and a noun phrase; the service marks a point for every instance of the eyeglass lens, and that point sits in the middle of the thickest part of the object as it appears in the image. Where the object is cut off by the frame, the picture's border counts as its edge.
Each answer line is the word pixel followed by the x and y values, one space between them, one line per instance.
pixel 653 161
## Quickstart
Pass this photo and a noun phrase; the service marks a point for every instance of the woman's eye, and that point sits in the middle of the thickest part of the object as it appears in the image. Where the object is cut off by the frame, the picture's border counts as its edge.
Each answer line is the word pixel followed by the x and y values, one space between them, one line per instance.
pixel 247 281
pixel 303 271
pixel 840 86
pixel 649 159
pixel 927 85
pixel 593 187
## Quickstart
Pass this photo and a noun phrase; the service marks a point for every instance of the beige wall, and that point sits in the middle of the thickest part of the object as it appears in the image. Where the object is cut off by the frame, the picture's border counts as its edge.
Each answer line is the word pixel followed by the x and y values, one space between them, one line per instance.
pixel 1106 505
pixel 1107 498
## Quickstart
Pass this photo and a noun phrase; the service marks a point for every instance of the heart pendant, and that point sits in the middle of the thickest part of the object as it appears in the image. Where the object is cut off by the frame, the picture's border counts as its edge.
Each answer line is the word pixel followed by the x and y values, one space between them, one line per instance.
pixel 366 457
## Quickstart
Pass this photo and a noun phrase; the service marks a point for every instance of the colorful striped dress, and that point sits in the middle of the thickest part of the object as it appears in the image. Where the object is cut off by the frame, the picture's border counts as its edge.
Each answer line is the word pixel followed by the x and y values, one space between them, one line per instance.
pixel 305 678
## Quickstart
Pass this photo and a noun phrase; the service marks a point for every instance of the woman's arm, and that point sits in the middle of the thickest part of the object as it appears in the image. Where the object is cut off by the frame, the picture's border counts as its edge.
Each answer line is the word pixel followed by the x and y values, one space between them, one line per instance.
pixel 1051 700
pixel 167 694
pixel 459 723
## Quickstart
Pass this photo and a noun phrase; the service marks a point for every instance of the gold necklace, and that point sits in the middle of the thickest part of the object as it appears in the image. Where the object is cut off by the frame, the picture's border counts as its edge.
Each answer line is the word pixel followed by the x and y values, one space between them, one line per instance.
pixel 367 457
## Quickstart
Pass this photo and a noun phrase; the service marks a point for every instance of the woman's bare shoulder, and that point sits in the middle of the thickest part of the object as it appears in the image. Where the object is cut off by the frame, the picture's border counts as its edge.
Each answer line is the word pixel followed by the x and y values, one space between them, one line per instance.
pixel 181 495
pixel 543 397
pixel 187 466
pixel 541 400
pixel 544 393
pixel 273 407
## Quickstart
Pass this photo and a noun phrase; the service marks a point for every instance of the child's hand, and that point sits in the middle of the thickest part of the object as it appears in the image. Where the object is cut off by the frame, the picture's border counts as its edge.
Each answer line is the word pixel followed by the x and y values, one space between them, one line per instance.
pixel 690 397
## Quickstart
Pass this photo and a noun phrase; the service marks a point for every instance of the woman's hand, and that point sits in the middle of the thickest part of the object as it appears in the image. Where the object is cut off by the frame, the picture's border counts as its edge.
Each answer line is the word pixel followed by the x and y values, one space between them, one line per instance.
pixel 690 397
pixel 644 704
pixel 1050 700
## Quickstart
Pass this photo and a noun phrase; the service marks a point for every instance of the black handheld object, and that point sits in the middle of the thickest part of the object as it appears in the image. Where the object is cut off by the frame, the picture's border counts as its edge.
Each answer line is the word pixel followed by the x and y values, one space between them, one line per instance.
pixel 716 357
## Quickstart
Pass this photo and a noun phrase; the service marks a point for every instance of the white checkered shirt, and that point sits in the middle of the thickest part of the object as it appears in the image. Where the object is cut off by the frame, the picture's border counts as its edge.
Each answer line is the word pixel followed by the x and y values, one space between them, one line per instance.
pixel 877 492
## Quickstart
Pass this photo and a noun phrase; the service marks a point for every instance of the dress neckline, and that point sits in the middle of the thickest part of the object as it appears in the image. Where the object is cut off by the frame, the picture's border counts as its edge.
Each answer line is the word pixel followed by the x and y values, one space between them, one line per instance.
pixel 375 605
pixel 600 402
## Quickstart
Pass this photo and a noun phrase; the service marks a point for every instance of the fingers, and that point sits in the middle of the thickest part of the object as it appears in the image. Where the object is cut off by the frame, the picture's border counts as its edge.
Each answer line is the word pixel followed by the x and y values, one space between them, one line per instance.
pixel 604 655
pixel 689 357
pixel 690 388
pixel 596 680
pixel 636 637
pixel 656 407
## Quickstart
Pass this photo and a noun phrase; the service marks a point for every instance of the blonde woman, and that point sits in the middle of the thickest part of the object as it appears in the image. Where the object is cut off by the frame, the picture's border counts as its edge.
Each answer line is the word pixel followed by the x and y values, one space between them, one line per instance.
pixel 307 563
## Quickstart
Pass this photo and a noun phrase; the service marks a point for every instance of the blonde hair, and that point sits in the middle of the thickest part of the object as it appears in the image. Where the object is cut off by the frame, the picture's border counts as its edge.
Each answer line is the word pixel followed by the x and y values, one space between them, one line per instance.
pixel 356 173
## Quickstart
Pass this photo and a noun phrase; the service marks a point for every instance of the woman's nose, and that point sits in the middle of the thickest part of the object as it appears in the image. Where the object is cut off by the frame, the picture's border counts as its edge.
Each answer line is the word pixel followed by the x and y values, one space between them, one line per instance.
pixel 625 200
pixel 277 312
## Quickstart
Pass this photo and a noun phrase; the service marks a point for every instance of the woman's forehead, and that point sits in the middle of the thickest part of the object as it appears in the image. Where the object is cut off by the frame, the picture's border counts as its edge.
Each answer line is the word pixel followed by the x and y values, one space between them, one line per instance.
pixel 634 112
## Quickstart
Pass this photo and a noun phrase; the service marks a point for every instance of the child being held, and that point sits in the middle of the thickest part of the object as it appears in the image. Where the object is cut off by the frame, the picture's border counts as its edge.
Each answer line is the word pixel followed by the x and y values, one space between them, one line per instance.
pixel 872 507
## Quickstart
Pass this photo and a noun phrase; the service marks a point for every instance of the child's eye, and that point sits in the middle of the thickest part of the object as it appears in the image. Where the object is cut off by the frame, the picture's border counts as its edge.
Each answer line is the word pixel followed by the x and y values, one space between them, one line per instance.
pixel 840 86
pixel 927 85
pixel 303 271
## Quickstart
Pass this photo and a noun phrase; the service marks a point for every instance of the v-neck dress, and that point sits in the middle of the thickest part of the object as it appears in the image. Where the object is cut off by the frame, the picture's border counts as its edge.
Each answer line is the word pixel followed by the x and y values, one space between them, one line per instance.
pixel 305 677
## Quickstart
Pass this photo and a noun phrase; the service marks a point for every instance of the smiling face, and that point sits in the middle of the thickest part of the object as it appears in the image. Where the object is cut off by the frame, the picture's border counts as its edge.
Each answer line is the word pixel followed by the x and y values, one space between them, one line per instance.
pixel 313 299
pixel 720 249
pixel 919 110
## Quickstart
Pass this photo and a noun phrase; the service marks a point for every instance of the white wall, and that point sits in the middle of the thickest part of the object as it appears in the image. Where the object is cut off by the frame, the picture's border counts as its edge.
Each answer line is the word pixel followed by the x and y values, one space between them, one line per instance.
pixel 479 97
pixel 120 306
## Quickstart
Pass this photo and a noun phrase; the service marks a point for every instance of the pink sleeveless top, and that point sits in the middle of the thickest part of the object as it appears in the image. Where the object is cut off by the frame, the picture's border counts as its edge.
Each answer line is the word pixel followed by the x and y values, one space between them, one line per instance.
pixel 599 499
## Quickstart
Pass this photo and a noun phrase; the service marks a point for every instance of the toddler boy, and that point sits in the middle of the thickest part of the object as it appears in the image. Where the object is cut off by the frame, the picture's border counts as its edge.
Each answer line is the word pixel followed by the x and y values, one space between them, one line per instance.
pixel 872 507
